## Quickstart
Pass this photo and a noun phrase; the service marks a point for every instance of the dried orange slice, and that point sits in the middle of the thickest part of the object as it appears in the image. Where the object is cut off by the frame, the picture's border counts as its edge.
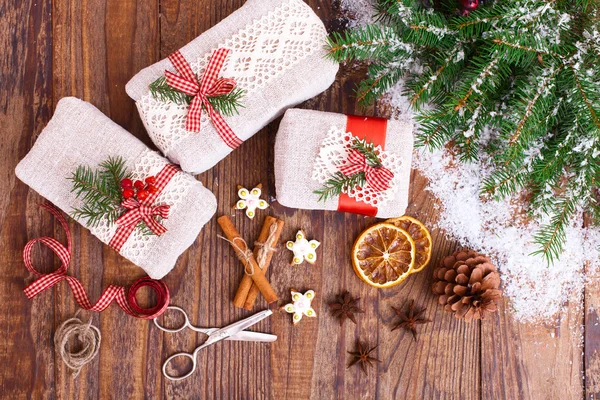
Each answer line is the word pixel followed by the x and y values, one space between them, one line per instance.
pixel 420 235
pixel 383 255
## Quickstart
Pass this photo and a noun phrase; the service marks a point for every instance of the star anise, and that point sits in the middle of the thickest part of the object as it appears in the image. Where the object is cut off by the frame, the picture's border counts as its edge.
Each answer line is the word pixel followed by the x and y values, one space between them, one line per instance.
pixel 410 319
pixel 344 307
pixel 363 357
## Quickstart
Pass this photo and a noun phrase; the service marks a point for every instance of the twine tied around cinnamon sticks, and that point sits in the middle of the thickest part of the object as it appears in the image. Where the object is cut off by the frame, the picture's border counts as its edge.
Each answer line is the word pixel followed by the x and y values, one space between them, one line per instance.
pixel 243 253
pixel 267 247
pixel 255 282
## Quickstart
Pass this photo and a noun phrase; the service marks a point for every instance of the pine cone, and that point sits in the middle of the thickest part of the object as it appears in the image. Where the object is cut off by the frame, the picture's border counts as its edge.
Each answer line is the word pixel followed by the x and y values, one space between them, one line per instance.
pixel 467 283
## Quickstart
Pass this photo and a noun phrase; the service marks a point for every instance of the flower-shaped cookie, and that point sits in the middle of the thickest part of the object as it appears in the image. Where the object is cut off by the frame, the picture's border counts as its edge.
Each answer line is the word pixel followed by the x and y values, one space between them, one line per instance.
pixel 250 200
pixel 303 249
pixel 300 305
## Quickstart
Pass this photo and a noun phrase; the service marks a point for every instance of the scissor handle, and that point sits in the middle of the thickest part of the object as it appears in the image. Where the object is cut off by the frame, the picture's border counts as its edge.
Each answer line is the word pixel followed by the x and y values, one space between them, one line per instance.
pixel 186 320
pixel 188 374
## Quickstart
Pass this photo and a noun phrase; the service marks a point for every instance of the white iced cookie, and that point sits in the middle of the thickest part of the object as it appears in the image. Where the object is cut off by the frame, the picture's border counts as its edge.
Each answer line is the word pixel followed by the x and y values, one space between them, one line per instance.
pixel 300 305
pixel 250 200
pixel 303 249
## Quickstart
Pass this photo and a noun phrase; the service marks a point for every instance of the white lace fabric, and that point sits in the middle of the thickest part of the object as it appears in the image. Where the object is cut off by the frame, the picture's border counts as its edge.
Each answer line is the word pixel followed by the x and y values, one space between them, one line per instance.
pixel 260 52
pixel 333 153
pixel 138 245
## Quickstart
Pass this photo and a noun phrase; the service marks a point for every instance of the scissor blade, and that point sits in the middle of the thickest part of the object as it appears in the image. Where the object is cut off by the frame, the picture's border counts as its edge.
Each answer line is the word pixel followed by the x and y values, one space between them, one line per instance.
pixel 253 337
pixel 237 327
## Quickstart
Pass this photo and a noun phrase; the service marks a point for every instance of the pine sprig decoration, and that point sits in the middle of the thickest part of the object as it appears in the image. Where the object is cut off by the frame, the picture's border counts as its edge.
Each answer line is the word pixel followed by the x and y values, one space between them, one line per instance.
pixel 227 105
pixel 516 79
pixel 100 191
pixel 340 183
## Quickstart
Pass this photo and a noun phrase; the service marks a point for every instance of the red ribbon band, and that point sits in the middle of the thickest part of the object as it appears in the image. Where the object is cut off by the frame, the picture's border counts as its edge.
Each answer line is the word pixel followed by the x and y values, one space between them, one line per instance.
pixel 143 211
pixel 372 130
pixel 210 85
pixel 125 300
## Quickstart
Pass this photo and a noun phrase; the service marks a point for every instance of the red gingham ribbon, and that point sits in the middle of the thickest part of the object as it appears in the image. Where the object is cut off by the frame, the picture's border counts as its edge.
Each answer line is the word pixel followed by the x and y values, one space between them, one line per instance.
pixel 143 211
pixel 125 300
pixel 378 178
pixel 210 86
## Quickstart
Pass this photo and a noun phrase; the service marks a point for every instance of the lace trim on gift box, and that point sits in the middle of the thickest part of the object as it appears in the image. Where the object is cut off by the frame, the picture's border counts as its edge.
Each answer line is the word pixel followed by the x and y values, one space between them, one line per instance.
pixel 139 244
pixel 333 154
pixel 261 51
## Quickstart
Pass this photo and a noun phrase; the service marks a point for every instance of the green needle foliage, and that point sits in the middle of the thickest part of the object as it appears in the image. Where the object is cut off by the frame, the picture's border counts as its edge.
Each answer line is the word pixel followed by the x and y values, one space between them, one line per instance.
pixel 100 191
pixel 516 80
pixel 227 105
pixel 340 183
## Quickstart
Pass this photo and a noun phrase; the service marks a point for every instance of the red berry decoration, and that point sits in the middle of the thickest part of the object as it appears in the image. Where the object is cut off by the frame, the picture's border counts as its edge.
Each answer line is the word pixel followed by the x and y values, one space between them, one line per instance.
pixel 468 5
pixel 126 183
pixel 152 189
pixel 142 195
pixel 139 185
pixel 151 180
pixel 128 193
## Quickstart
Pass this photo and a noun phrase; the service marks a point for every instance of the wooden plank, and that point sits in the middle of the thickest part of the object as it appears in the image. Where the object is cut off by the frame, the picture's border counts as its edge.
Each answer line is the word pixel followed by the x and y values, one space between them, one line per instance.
pixel 25 103
pixel 527 362
pixel 98 46
pixel 592 342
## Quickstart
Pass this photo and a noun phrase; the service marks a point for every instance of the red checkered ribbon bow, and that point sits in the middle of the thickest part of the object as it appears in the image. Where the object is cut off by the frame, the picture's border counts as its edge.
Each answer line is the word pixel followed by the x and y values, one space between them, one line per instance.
pixel 210 86
pixel 377 177
pixel 143 211
pixel 125 300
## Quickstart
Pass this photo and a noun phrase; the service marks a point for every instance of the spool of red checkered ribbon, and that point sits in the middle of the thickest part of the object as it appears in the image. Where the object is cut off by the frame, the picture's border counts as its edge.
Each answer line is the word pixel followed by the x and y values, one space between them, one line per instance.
pixel 210 85
pixel 144 211
pixel 125 299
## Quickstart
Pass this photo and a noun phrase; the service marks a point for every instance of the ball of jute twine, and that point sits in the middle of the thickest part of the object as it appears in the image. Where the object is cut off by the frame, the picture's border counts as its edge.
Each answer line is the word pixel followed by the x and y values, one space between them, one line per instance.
pixel 74 330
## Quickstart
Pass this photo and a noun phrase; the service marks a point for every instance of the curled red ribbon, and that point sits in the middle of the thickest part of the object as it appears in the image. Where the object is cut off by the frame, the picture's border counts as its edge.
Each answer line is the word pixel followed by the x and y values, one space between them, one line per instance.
pixel 209 86
pixel 377 177
pixel 125 300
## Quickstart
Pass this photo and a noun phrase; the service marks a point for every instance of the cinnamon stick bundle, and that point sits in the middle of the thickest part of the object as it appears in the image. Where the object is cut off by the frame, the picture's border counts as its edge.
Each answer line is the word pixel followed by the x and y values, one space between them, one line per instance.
pixel 263 253
pixel 247 258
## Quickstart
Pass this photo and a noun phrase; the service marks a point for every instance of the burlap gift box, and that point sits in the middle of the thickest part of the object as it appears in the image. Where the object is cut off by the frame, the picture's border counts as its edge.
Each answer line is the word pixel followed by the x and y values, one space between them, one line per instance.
pixel 79 134
pixel 277 55
pixel 307 138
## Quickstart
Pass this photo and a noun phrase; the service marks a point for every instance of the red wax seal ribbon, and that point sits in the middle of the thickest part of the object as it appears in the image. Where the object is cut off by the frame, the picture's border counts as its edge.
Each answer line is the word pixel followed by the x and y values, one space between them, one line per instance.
pixel 126 301
pixel 377 177
pixel 143 210
pixel 372 130
pixel 210 86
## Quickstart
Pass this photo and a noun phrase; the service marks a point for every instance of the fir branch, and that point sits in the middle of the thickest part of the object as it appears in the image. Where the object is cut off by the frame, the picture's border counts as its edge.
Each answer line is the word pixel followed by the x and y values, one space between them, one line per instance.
pixel 552 236
pixel 368 150
pixel 99 190
pixel 227 105
pixel 338 184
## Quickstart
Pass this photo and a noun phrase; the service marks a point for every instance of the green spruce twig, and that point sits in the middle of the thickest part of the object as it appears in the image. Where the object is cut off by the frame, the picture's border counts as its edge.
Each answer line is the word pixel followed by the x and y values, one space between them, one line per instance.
pixel 99 190
pixel 338 184
pixel 227 105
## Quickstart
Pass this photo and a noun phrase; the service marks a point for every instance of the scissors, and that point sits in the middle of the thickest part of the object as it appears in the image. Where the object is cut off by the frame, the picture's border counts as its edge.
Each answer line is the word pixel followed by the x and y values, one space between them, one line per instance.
pixel 235 331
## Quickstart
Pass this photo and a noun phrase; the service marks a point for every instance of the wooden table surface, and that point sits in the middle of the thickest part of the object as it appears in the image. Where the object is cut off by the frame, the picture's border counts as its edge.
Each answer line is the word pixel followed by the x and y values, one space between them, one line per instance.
pixel 90 48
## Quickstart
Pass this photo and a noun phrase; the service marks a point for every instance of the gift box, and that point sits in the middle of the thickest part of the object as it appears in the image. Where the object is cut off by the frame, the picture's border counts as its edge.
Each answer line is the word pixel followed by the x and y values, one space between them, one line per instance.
pixel 271 50
pixel 79 136
pixel 327 161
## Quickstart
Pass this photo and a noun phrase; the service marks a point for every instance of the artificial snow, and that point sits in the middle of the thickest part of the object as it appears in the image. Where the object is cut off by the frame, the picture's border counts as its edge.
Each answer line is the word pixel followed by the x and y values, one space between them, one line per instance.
pixel 537 292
